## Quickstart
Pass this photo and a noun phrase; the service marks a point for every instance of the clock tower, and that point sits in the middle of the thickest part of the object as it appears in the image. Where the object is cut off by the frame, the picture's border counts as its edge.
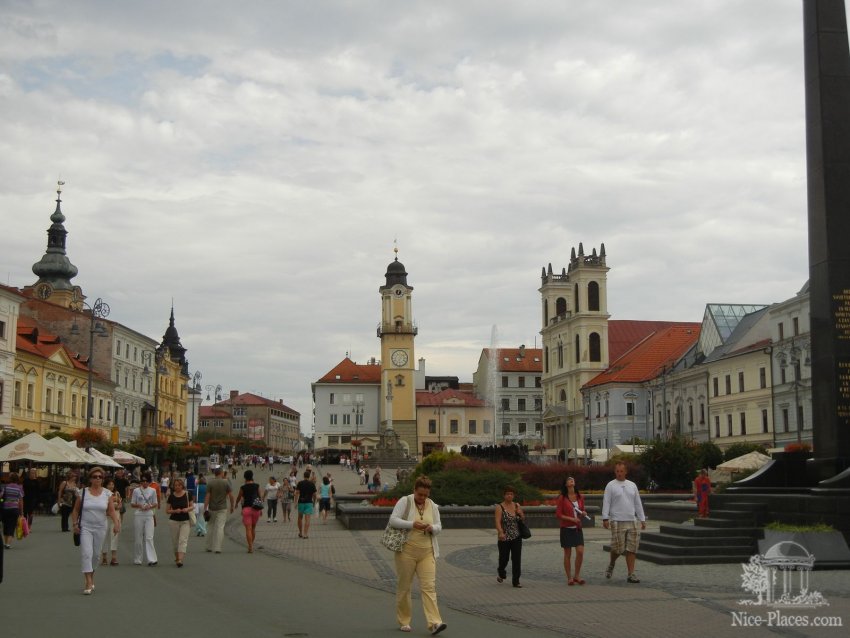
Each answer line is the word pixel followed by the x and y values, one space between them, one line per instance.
pixel 397 332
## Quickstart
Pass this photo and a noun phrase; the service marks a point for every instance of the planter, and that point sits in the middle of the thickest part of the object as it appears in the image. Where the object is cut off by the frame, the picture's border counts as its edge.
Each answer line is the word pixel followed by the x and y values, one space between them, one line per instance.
pixel 828 548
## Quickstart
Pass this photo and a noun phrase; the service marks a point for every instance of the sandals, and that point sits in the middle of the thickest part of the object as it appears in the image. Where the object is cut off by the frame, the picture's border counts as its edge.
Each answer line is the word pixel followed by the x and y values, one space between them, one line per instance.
pixel 571 582
pixel 580 581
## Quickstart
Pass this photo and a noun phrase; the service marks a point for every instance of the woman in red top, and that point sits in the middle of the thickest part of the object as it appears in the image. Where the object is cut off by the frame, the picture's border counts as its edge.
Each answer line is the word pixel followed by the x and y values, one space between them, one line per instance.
pixel 570 511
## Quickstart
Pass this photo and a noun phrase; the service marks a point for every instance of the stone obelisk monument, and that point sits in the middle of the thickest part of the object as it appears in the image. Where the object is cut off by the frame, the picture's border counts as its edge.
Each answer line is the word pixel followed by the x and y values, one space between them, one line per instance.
pixel 827 65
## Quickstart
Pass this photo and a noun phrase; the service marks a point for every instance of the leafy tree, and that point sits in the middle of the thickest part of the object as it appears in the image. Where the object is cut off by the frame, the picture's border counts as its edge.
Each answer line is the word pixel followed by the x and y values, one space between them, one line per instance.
pixel 671 463
pixel 708 455
pixel 7 436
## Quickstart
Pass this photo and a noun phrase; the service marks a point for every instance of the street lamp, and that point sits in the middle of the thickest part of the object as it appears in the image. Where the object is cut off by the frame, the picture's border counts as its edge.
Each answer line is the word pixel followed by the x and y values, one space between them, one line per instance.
pixel 194 388
pixel 99 310
pixel 213 392
pixel 155 358
pixel 791 354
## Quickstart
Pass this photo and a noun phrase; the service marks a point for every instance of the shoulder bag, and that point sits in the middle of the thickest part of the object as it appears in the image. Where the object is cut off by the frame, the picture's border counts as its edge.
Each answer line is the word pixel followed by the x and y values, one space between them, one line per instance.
pixel 394 538
pixel 82 502
pixel 524 532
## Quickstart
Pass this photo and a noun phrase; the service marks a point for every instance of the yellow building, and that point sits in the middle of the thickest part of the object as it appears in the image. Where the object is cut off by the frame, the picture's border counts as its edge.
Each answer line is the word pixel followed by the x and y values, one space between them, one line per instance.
pixel 51 384
pixel 449 419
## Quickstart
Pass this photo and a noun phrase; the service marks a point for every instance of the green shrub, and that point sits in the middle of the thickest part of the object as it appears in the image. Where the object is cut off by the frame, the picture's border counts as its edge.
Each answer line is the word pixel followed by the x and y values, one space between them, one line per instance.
pixel 671 463
pixel 435 462
pixel 463 487
pixel 820 528
pixel 708 455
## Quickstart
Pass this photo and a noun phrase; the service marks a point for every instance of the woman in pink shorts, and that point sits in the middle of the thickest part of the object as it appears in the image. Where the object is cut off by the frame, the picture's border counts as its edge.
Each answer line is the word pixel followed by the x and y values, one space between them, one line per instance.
pixel 252 507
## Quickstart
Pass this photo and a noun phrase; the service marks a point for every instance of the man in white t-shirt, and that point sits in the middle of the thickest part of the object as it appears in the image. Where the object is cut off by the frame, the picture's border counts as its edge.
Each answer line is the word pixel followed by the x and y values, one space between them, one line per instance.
pixel 621 511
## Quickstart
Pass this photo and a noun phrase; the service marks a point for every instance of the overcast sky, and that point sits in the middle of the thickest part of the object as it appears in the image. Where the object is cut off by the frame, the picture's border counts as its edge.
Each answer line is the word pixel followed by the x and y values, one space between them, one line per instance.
pixel 255 161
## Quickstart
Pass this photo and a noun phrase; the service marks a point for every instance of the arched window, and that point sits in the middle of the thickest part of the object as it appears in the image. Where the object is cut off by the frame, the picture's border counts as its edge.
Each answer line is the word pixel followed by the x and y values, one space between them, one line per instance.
pixel 560 355
pixel 545 313
pixel 595 347
pixel 577 306
pixel 593 296
pixel 563 396
pixel 578 349
pixel 560 306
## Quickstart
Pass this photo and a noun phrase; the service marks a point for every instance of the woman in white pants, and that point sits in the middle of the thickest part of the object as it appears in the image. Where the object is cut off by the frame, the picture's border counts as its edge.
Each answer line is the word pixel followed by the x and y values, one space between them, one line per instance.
pixel 144 501
pixel 89 517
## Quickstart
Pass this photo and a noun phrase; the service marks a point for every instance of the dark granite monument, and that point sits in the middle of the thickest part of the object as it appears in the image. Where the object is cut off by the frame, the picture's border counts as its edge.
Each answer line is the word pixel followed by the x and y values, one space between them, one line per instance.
pixel 827 65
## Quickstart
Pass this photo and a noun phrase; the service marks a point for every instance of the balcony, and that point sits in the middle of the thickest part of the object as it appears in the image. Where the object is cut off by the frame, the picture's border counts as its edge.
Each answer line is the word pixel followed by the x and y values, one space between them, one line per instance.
pixel 399 328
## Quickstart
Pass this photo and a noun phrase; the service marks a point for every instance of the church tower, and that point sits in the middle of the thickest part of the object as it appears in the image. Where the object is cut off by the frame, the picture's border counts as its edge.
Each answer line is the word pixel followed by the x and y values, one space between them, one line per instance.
pixel 54 270
pixel 397 332
pixel 575 341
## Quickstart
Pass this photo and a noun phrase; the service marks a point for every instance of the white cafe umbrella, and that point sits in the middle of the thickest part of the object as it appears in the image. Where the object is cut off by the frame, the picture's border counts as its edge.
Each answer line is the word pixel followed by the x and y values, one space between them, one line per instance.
pixel 744 463
pixel 126 458
pixel 32 447
pixel 103 459
pixel 72 452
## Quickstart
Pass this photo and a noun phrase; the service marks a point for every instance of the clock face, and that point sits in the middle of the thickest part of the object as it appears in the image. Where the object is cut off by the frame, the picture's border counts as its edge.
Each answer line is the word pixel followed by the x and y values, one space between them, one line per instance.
pixel 43 290
pixel 399 292
pixel 399 358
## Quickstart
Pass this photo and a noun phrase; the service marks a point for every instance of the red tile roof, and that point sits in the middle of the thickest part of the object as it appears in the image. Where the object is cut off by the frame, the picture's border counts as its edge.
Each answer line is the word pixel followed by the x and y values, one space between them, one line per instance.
pixel 31 338
pixel 444 397
pixel 247 398
pixel 623 334
pixel 210 411
pixel 531 361
pixel 346 371
pixel 646 359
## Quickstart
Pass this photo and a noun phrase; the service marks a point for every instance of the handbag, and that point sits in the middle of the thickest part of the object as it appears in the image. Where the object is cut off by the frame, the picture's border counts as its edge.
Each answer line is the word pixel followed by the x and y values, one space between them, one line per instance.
pixel 524 532
pixel 257 504
pixel 82 502
pixel 55 509
pixel 394 538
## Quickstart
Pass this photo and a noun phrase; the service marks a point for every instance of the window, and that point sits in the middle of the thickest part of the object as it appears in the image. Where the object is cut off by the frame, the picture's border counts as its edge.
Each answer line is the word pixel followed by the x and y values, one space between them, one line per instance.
pixel 523 428
pixel 560 306
pixel 702 413
pixel 60 402
pixel 100 408
pixel 781 331
pixel 332 398
pixel 782 378
pixel 135 353
pixel 538 428
pixel 2 329
pixel 728 384
pixel 764 424
pixel 504 381
pixel 740 381
pixel 486 426
pixel 795 326
pixel 595 347
pixel 800 424
pixel 520 405
pixel 717 427
pixel 346 399
pixel 714 387
pixel 560 354
pixel 762 378
pixel 578 349
pixel 453 426
pixel 521 381
pixel 346 419
pixel 785 420
pixel 116 413
pixel 630 409
pixel 743 423
pixel 538 382
pixel 358 419
pixel 690 413
pixel 506 404
pixel 538 403
pixel 432 426
pixel 728 425
pixel 473 426
pixel 506 429
pixel 17 402
pixel 48 400
pixel 593 296
pixel 333 419
pixel 575 297
pixel 118 347
pixel 598 409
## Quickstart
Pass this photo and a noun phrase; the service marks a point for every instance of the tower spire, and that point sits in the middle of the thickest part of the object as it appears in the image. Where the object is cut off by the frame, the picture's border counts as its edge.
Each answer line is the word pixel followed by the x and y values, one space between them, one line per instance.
pixel 54 267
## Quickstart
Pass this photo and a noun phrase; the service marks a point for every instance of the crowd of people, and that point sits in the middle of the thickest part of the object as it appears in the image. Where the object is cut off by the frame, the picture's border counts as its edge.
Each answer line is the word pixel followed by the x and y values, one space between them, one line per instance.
pixel 93 506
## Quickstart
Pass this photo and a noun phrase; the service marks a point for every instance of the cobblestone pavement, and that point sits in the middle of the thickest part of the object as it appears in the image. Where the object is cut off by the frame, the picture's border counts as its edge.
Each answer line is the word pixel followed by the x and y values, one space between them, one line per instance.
pixel 671 600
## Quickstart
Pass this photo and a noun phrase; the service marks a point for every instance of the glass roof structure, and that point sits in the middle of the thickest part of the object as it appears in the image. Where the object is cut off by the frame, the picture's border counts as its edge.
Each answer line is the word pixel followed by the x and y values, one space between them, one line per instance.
pixel 719 321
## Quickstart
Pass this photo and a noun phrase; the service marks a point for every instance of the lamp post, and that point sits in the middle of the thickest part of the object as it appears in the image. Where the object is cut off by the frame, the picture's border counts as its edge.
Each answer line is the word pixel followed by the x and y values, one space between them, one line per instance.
pixel 791 353
pixel 98 310
pixel 194 387
pixel 213 392
pixel 155 357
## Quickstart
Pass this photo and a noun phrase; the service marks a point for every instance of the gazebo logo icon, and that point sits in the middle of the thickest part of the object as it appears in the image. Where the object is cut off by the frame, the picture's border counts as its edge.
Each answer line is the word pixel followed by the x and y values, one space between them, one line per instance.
pixel 781 578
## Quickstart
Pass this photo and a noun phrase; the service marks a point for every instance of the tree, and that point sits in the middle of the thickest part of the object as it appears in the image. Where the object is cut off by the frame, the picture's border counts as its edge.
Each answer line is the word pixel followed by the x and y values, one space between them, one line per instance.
pixel 755 579
pixel 670 463
pixel 708 455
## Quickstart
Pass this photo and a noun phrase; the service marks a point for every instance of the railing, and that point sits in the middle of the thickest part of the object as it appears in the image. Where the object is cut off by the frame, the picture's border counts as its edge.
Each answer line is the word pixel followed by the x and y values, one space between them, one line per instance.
pixel 397 328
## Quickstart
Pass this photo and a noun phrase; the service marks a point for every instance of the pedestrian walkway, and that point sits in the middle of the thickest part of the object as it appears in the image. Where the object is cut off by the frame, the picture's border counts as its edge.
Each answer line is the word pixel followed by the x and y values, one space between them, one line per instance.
pixel 341 583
